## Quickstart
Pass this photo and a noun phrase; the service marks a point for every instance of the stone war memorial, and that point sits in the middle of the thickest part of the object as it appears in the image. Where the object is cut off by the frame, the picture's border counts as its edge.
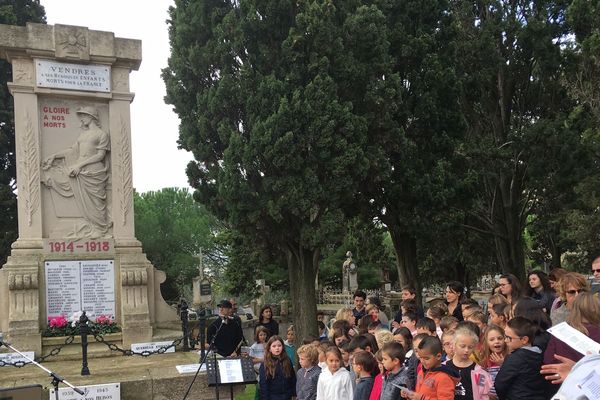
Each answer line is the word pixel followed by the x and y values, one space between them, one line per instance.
pixel 76 248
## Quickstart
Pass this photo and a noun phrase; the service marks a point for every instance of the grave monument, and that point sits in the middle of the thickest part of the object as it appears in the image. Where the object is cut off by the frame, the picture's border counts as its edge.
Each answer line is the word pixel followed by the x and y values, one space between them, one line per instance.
pixel 349 274
pixel 76 248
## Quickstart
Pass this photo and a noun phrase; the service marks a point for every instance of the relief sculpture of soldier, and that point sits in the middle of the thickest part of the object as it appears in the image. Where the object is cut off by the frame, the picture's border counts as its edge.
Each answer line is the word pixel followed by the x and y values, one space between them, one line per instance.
pixel 81 172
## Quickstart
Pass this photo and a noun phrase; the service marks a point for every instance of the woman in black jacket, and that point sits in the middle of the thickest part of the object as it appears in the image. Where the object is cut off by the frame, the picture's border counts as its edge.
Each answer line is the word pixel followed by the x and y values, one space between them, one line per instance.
pixel 265 319
pixel 540 290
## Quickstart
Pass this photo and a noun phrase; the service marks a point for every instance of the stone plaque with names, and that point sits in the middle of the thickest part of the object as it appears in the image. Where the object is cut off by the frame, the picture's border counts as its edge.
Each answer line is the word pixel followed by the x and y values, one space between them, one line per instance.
pixel 87 77
pixel 73 286
pixel 63 288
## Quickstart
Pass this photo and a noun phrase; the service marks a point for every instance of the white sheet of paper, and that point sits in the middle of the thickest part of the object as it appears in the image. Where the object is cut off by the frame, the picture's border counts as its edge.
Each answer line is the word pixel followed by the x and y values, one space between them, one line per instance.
pixel 190 368
pixel 577 340
pixel 590 385
pixel 230 371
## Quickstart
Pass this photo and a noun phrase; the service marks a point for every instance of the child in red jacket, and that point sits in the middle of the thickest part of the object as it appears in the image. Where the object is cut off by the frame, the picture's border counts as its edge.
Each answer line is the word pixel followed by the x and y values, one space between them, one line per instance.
pixel 434 381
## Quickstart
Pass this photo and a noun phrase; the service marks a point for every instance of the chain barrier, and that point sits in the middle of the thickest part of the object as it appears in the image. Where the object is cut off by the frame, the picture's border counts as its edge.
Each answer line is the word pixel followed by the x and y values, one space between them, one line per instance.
pixel 54 352
pixel 145 353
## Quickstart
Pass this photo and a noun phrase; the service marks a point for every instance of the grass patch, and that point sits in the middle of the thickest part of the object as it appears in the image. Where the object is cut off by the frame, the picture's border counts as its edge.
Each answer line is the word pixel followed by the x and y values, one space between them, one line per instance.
pixel 248 393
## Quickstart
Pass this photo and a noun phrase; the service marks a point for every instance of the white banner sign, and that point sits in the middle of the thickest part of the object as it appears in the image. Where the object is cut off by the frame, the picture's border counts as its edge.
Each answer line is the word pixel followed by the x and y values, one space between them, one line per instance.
pixel 88 77
pixel 16 357
pixel 109 391
pixel 152 346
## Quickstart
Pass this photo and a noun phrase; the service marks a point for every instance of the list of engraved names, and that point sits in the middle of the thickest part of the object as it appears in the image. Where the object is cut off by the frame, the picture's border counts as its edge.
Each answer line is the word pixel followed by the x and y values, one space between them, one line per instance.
pixel 73 286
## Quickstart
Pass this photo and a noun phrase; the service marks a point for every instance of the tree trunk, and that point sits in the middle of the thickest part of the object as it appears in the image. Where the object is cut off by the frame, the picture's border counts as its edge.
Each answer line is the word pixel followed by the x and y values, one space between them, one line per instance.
pixel 508 227
pixel 302 267
pixel 405 248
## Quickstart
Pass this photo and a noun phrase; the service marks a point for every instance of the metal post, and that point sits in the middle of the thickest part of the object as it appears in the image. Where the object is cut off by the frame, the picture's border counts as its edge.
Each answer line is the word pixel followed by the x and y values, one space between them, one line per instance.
pixel 83 331
pixel 184 324
pixel 202 320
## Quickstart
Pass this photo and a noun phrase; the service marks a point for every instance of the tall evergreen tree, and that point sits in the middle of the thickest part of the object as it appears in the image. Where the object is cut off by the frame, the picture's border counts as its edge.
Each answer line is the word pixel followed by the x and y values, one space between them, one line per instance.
pixel 272 97
pixel 11 13
pixel 511 70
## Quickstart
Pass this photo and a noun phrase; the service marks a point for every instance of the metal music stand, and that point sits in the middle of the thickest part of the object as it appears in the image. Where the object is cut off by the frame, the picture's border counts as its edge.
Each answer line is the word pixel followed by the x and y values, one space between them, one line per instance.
pixel 214 377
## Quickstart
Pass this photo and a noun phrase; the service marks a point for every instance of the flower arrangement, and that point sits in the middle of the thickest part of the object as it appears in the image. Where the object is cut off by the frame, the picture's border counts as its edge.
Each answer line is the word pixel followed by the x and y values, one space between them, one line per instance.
pixel 60 325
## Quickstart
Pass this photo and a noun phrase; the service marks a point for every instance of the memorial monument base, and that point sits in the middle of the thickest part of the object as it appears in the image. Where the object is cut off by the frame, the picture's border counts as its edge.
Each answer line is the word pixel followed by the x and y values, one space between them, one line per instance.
pixel 151 378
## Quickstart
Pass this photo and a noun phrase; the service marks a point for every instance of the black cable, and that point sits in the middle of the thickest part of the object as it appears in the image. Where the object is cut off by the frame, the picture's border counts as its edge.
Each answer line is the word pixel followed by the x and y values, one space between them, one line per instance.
pixel 210 348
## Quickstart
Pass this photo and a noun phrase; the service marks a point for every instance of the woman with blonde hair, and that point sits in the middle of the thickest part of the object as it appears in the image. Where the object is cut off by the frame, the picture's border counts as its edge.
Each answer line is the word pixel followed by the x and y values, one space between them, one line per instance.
pixel 346 314
pixel 585 317
pixel 569 287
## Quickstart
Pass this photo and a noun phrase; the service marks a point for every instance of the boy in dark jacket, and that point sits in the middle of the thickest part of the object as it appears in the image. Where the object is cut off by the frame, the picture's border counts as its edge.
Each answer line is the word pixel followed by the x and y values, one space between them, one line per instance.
pixel 396 378
pixel 519 377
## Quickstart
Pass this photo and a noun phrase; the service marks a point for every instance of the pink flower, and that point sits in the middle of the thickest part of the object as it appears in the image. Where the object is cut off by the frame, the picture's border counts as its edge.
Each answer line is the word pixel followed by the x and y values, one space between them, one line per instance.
pixel 58 321
pixel 104 319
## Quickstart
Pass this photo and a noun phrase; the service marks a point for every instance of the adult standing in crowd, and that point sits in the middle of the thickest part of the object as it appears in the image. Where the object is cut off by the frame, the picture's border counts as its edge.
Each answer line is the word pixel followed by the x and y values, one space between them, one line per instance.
pixel 585 317
pixel 227 333
pixel 359 310
pixel 266 319
pixel 570 285
pixel 540 290
pixel 511 288
pixel 454 294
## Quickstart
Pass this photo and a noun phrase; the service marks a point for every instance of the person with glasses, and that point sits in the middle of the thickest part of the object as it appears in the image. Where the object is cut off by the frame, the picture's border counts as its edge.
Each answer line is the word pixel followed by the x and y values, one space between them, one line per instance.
pixel 511 288
pixel 596 272
pixel 519 377
pixel 570 285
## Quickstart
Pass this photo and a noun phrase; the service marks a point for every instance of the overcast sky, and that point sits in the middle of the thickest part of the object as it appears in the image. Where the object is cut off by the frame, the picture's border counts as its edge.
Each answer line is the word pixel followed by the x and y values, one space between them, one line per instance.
pixel 157 163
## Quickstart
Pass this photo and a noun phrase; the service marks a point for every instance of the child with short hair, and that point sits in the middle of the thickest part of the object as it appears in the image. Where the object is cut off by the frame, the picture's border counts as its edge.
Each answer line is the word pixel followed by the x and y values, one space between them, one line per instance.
pixel 448 322
pixel 413 366
pixel 426 325
pixel 334 382
pixel 493 353
pixel 448 345
pixel 276 374
pixel 435 381
pixel 308 375
pixel 364 364
pixel 519 376
pixel 436 312
pixel 289 344
pixel 396 377
pixel 479 319
pixel 475 382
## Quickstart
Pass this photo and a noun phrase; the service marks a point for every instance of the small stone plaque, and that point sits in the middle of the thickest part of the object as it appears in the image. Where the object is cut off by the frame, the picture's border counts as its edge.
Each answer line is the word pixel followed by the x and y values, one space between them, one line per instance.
pixel 87 77
pixel 152 346
pixel 109 391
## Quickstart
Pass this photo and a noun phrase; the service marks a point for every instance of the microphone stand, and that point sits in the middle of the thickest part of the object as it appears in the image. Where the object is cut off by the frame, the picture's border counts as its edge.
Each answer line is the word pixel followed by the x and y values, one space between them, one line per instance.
pixel 56 379
pixel 203 361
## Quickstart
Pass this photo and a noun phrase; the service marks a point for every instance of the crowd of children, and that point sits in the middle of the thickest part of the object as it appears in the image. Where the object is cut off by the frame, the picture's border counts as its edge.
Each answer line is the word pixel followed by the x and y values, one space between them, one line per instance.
pixel 457 349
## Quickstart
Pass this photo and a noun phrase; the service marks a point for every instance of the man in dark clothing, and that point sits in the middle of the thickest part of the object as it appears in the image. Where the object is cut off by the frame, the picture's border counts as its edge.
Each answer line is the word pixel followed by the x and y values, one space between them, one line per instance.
pixel 230 335
pixel 359 305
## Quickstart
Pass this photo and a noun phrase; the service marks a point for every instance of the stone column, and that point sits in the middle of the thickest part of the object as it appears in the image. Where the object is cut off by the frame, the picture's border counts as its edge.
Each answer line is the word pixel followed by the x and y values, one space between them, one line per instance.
pixel 22 268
